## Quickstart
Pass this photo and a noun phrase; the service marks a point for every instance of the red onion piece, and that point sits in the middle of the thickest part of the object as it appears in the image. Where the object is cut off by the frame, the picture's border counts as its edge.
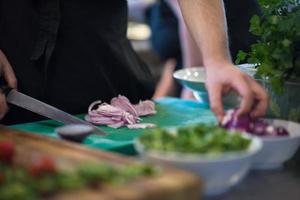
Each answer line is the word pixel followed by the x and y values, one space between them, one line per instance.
pixel 142 125
pixel 145 108
pixel 124 104
pixel 245 123
pixel 231 121
pixel 120 113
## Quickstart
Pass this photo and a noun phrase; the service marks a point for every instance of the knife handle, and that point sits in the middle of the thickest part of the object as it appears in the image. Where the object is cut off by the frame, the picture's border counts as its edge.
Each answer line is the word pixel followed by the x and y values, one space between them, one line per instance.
pixel 5 89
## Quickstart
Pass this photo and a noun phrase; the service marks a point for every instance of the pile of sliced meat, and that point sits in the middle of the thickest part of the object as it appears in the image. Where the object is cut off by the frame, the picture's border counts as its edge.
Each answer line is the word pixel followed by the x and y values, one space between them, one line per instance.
pixel 120 112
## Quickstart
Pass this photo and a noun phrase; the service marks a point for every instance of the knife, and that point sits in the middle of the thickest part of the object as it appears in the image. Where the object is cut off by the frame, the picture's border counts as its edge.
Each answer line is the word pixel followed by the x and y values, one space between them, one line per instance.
pixel 24 101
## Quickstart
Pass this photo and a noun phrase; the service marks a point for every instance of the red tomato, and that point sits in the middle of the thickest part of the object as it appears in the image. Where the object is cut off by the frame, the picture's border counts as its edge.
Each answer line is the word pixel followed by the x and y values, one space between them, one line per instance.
pixel 7 152
pixel 41 166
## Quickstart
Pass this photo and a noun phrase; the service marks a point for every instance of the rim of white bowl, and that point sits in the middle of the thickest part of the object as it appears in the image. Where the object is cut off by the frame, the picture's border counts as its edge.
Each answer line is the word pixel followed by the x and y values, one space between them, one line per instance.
pixel 177 73
pixel 177 76
pixel 255 147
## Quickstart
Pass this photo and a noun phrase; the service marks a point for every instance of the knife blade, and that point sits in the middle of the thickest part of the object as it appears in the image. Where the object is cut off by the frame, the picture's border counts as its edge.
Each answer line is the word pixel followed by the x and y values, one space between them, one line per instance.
pixel 46 110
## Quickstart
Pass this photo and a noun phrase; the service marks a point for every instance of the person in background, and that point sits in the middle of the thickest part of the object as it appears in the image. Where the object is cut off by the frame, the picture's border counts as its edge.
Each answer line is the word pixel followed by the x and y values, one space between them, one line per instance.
pixel 71 52
pixel 165 42
pixel 137 9
pixel 238 18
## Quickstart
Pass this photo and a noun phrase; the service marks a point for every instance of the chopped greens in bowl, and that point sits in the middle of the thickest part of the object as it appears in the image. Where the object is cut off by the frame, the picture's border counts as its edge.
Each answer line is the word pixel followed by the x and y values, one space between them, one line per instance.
pixel 221 157
pixel 200 139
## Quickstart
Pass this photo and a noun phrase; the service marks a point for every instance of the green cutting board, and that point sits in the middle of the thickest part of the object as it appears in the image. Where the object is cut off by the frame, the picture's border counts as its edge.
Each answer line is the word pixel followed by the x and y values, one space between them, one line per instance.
pixel 171 112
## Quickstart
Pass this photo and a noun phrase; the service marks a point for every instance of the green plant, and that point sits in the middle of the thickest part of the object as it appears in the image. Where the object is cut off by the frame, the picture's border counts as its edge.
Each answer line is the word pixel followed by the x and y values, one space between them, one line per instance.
pixel 277 51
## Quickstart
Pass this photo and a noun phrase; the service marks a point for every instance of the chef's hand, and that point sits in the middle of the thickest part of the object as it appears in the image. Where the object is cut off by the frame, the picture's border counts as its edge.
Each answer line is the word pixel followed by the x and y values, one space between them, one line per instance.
pixel 222 78
pixel 8 74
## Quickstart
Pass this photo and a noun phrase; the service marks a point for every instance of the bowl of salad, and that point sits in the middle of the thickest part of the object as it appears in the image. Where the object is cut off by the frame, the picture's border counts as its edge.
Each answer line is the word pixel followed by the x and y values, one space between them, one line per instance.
pixel 280 138
pixel 222 158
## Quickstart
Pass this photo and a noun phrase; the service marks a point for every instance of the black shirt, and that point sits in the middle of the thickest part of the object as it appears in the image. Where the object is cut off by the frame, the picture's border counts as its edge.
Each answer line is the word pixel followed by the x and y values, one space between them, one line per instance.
pixel 69 53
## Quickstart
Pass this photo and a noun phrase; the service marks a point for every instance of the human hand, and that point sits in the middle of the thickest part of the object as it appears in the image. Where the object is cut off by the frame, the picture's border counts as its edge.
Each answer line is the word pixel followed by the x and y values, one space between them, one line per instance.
pixel 222 78
pixel 9 76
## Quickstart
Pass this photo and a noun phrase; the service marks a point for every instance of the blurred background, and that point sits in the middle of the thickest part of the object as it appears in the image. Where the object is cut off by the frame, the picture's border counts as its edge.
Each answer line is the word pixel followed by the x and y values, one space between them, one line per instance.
pixel 158 34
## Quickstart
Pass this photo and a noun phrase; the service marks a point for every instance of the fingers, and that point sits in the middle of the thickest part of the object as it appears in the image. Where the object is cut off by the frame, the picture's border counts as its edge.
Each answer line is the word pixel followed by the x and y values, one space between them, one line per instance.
pixel 9 74
pixel 7 71
pixel 261 105
pixel 3 106
pixel 229 78
pixel 215 99
pixel 242 86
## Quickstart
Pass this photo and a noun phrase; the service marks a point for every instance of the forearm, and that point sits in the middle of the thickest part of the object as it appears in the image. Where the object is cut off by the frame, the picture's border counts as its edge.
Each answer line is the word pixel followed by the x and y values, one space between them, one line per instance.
pixel 191 55
pixel 206 22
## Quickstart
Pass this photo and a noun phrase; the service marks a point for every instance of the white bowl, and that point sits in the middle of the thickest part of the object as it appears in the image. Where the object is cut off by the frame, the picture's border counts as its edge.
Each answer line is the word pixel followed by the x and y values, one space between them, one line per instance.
pixel 219 172
pixel 277 150
pixel 194 79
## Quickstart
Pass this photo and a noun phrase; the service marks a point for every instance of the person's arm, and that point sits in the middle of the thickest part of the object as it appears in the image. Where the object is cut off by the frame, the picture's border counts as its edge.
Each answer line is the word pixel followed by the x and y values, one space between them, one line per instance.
pixel 8 74
pixel 206 22
pixel 191 55
pixel 190 51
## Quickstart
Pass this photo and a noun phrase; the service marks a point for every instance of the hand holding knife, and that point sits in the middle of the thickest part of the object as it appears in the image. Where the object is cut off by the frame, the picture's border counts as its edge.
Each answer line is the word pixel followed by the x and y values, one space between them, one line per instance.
pixel 19 99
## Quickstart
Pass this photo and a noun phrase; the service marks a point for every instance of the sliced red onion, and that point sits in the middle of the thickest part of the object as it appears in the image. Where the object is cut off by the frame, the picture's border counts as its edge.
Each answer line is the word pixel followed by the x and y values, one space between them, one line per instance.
pixel 120 113
pixel 245 123
pixel 142 125
pixel 258 128
pixel 117 125
pixel 144 108
pixel 124 104
pixel 231 121
pixel 281 131
pixel 93 105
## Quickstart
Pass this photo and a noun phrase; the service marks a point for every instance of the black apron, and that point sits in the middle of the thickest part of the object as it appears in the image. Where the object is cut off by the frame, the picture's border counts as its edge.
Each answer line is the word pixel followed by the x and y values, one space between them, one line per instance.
pixel 69 53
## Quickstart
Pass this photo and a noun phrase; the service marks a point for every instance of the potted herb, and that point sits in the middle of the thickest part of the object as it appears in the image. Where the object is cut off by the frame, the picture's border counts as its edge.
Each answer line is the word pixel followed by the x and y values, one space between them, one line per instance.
pixel 277 55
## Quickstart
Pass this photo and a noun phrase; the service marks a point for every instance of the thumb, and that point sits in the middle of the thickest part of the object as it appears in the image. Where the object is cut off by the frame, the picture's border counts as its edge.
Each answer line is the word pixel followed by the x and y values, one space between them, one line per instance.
pixel 215 99
pixel 9 75
pixel 7 71
pixel 3 106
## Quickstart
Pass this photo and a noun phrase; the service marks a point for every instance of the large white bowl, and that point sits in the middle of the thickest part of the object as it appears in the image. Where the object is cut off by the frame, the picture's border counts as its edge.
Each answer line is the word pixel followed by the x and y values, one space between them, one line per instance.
pixel 194 79
pixel 277 150
pixel 219 173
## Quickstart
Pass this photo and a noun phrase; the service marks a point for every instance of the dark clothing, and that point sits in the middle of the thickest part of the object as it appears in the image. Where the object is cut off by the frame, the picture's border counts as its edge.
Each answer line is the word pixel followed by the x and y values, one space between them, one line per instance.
pixel 238 14
pixel 165 38
pixel 69 53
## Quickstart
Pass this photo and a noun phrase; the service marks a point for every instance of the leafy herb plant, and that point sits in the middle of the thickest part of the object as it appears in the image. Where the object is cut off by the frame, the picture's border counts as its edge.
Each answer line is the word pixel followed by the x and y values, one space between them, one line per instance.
pixel 277 51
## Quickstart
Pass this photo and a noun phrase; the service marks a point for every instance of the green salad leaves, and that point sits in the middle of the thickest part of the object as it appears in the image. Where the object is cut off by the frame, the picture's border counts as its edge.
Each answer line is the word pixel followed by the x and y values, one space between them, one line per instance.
pixel 206 139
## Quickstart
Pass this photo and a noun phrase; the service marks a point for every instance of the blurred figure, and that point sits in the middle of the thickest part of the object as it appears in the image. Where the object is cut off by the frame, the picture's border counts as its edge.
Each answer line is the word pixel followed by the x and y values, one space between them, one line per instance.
pixel 165 41
pixel 137 9
pixel 177 38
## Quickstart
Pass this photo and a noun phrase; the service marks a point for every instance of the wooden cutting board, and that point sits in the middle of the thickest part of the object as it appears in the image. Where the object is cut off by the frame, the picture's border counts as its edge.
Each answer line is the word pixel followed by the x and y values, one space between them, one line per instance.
pixel 171 184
